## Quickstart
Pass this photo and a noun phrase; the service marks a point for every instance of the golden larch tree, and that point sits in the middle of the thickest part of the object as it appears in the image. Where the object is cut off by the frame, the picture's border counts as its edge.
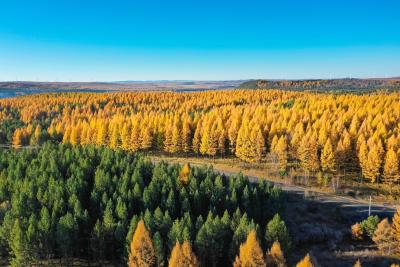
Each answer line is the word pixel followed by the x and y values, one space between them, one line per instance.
pixel 242 143
pixel 186 136
pixel 281 150
pixel 233 133
pixel 135 138
pixel 391 167
pixel 328 162
pixel 142 253
pixel 363 157
pixel 36 135
pixel 183 256
pixel 396 230
pixel 373 164
pixel 17 139
pixel 114 137
pixel 75 134
pixel 383 237
pixel 101 133
pixel 307 261
pixel 125 136
pixel 176 141
pixel 275 256
pixel 250 253
pixel 184 174
pixel 197 137
pixel 358 263
pixel 357 232
pixel 308 153
pixel 146 138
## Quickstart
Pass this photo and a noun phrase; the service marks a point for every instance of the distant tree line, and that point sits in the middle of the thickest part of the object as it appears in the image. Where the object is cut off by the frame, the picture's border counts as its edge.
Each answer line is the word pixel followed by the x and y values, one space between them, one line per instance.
pixel 348 85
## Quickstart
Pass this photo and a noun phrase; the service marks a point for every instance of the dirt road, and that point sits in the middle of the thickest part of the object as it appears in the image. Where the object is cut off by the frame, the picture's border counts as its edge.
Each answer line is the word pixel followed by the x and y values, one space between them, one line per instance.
pixel 355 209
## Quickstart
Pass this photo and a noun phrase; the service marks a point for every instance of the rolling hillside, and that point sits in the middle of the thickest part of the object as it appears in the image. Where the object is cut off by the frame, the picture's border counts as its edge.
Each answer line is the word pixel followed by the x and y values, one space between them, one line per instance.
pixel 338 85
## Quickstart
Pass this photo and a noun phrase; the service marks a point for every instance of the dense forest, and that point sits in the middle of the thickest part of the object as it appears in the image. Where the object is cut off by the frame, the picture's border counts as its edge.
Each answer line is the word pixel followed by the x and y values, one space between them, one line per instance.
pixel 61 201
pixel 76 183
pixel 310 132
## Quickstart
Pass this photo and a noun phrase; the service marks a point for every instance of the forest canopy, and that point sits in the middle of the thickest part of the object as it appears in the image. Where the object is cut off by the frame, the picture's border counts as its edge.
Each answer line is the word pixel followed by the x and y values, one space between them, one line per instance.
pixel 68 201
pixel 314 132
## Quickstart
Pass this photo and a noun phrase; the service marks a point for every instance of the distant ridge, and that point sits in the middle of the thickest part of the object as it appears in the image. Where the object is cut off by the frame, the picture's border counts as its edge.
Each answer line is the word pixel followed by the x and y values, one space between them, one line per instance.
pixel 124 85
pixel 345 84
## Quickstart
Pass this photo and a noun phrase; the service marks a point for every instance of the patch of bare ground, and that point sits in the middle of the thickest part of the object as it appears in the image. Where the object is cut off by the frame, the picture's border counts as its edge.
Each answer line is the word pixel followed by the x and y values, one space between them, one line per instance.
pixel 324 230
pixel 318 218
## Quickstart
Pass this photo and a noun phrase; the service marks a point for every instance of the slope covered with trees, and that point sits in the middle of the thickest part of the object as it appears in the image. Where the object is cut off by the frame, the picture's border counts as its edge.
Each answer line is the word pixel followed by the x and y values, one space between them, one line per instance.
pixel 61 201
pixel 311 132
pixel 332 85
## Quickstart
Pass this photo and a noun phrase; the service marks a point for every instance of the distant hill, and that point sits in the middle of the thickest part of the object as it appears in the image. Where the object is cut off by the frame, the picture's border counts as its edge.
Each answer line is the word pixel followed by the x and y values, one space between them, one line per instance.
pixel 339 85
pixel 124 85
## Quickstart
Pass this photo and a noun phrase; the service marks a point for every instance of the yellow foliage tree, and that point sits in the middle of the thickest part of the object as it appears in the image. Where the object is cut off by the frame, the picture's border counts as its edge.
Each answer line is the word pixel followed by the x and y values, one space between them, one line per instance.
pixel 142 253
pixel 391 167
pixel 75 134
pixel 17 138
pixel 250 253
pixel 396 230
pixel 114 137
pixel 258 143
pixel 328 162
pixel 197 138
pixel 363 157
pixel 146 138
pixel 357 264
pixel 125 136
pixel 307 261
pixel 176 137
pixel 135 138
pixel 36 135
pixel 184 174
pixel 383 237
pixel 281 149
pixel 275 256
pixel 183 256
pixel 186 136
pixel 357 232
pixel 373 164
pixel 308 153
pixel 101 135
pixel 242 142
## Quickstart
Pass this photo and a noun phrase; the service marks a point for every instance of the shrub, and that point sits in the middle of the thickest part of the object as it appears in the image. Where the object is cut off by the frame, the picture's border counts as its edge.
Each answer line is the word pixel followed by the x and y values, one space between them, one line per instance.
pixel 369 225
pixel 357 232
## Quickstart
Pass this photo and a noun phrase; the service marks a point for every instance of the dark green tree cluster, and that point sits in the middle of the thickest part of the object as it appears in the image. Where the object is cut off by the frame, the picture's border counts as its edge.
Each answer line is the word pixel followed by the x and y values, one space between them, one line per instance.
pixel 62 201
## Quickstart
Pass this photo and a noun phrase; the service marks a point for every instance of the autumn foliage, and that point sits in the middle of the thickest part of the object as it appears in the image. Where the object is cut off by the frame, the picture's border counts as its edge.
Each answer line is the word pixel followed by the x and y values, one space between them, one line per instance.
pixel 275 256
pixel 307 261
pixel 183 256
pixel 396 230
pixel 322 131
pixel 250 253
pixel 142 251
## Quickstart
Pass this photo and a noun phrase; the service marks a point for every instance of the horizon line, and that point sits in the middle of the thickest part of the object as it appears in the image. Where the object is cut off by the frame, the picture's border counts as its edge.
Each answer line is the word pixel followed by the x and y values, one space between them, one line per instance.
pixel 203 80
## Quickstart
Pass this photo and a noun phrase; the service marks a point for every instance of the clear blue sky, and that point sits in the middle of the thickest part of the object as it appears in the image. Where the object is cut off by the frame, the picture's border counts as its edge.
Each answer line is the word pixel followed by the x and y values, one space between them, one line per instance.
pixel 85 40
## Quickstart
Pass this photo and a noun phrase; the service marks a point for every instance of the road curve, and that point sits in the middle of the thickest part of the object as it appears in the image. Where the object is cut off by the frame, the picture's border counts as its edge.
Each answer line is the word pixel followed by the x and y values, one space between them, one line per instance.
pixel 357 208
